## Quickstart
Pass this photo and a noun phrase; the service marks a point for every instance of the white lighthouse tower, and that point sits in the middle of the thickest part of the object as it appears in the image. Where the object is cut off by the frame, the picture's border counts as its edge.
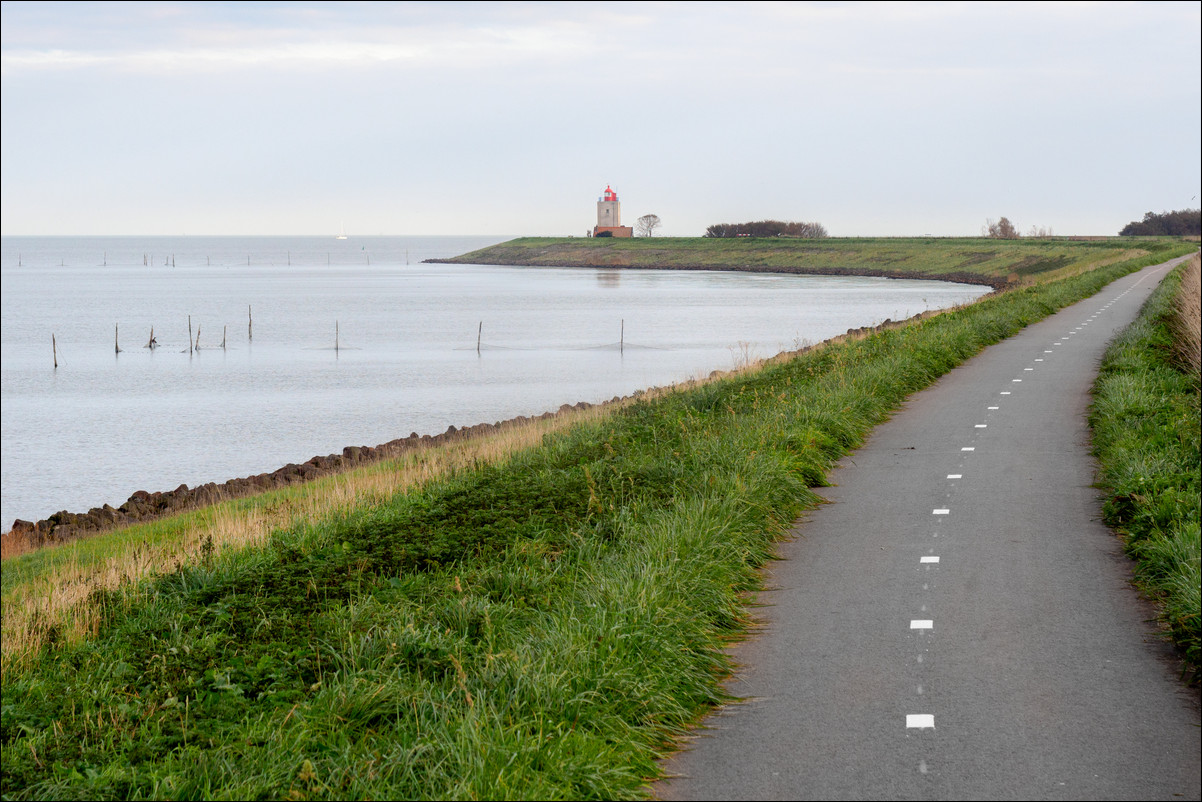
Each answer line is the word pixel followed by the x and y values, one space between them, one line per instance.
pixel 609 217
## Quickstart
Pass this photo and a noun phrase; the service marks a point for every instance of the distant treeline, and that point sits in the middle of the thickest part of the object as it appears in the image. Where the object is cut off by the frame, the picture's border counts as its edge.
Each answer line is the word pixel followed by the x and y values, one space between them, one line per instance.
pixel 1185 223
pixel 767 228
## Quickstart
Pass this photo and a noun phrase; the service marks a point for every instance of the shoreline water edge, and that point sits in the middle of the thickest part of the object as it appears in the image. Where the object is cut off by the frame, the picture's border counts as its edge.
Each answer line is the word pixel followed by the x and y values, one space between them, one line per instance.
pixel 961 277
pixel 143 506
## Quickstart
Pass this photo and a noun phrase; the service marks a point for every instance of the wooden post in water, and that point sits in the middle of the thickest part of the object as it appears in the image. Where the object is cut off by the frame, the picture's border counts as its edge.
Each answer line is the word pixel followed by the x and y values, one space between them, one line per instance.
pixel 335 336
pixel 173 260
pixel 189 334
pixel 290 258
pixel 54 347
pixel 116 341
pixel 197 336
pixel 479 334
pixel 106 258
pixel 224 329
pixel 151 343
pixel 250 324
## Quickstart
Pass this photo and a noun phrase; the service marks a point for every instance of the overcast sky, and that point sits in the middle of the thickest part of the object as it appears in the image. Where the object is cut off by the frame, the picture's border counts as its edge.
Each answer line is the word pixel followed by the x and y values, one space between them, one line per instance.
pixel 486 118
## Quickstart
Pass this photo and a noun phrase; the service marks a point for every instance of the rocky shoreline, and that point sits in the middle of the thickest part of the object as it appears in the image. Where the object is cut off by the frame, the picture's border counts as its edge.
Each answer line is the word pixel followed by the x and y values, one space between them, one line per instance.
pixel 144 506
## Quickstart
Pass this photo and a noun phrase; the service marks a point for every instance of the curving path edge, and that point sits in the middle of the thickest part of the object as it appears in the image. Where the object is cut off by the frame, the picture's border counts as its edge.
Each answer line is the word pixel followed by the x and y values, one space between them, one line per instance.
pixel 958 623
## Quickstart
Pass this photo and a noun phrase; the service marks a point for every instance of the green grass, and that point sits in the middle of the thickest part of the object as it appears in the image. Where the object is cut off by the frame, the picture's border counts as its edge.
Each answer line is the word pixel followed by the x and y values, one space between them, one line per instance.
pixel 990 261
pixel 1147 438
pixel 541 628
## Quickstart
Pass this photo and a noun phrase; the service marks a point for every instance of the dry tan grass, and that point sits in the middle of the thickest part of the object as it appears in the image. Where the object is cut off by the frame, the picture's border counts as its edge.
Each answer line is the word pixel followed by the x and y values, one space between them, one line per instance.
pixel 59 606
pixel 1188 308
pixel 13 544
pixel 1076 270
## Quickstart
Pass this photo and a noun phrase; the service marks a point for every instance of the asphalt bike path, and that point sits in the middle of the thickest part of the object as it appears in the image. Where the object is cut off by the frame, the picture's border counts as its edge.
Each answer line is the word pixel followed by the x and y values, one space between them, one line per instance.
pixel 958 623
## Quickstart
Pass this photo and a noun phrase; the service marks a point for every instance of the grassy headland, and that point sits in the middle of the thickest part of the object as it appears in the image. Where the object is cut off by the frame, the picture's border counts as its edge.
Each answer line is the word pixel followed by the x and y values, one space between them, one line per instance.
pixel 994 262
pixel 536 624
pixel 1146 419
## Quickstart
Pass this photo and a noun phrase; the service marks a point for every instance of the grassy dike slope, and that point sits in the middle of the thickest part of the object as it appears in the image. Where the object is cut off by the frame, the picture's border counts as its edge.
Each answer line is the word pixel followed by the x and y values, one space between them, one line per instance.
pixel 997 263
pixel 1147 422
pixel 537 628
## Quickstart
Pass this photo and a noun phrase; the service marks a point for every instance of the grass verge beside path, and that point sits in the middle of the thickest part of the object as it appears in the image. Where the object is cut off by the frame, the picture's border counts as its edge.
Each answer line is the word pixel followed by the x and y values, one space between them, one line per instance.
pixel 537 628
pixel 1146 420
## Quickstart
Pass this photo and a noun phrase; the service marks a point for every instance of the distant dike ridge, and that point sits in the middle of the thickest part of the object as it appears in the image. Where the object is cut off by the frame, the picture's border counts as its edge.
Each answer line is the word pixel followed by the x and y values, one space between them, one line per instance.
pixel 581 252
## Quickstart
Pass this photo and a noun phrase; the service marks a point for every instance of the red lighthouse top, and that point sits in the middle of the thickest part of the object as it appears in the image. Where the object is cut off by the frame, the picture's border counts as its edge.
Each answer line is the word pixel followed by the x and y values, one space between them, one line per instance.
pixel 610 195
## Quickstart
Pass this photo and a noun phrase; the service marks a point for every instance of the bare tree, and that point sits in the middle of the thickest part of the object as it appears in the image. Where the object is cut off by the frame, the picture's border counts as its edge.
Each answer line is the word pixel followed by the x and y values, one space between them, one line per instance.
pixel 810 230
pixel 647 224
pixel 1002 229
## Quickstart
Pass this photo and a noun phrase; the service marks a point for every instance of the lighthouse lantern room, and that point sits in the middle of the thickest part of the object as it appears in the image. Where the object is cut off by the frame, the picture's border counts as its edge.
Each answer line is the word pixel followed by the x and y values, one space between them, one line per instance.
pixel 609 217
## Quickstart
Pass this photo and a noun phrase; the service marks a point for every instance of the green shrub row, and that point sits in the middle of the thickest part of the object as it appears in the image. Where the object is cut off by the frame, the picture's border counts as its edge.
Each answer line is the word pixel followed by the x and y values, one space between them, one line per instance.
pixel 540 630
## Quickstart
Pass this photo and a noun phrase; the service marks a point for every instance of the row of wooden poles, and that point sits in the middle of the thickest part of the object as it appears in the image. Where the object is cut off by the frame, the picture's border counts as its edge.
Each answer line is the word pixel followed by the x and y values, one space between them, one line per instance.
pixel 148 259
pixel 194 343
pixel 621 337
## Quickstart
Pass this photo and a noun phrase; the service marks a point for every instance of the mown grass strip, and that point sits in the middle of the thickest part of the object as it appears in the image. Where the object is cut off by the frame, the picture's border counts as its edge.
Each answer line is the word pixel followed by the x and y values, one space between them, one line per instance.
pixel 538 628
pixel 1146 421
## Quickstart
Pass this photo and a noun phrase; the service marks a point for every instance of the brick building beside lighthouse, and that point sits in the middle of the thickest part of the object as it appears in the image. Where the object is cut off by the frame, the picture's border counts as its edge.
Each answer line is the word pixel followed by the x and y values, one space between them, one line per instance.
pixel 609 217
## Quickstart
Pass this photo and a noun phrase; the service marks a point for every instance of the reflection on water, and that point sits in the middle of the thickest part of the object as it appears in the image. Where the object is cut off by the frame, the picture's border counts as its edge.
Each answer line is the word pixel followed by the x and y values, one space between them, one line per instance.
pixel 104 424
pixel 609 278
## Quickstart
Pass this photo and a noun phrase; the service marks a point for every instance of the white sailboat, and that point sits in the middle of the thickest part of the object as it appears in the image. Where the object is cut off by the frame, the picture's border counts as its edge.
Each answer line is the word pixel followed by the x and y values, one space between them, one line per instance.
pixel 341 231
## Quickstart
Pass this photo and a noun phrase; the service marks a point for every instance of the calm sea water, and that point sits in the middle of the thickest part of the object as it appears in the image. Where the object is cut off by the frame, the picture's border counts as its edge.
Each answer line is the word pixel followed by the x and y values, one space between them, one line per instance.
pixel 104 424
